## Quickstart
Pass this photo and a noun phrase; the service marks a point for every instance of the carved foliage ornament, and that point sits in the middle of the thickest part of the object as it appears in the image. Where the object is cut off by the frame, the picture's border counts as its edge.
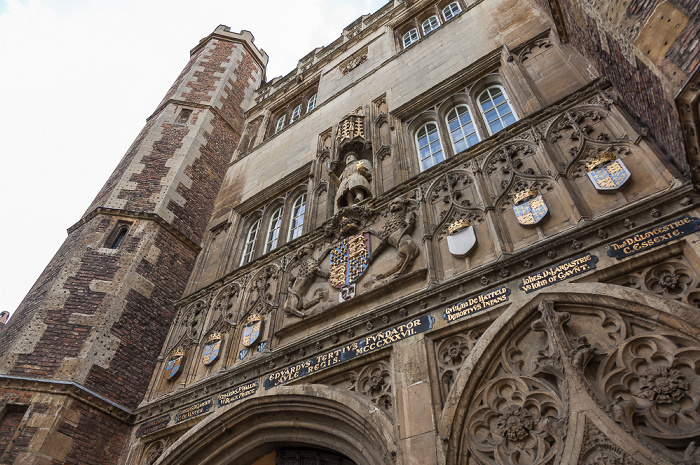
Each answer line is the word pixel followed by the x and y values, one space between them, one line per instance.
pixel 643 376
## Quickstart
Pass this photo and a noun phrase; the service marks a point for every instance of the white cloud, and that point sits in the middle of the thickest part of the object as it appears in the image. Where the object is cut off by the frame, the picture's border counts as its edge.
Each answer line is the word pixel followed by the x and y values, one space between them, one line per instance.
pixel 80 77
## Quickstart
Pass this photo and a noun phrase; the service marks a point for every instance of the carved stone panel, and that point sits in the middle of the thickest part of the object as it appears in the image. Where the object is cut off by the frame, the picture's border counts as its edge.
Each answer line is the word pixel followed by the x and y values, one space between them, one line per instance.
pixel 585 383
pixel 673 278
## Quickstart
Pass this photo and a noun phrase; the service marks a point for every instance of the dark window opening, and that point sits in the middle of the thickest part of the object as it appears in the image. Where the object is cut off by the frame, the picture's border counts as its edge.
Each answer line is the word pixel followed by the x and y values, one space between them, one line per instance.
pixel 119 239
pixel 184 116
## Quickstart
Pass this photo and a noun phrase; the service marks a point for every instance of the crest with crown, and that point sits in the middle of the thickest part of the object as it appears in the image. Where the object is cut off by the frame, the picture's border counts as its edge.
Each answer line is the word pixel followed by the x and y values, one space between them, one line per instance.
pixel 179 352
pixel 599 159
pixel 253 318
pixel 215 336
pixel 458 226
pixel 524 195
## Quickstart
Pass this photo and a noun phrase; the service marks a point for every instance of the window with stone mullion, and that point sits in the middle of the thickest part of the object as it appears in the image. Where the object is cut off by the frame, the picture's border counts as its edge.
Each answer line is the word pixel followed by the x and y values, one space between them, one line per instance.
pixel 273 231
pixel 251 238
pixel 429 146
pixel 451 10
pixel 297 223
pixel 462 129
pixel 496 109
pixel 430 24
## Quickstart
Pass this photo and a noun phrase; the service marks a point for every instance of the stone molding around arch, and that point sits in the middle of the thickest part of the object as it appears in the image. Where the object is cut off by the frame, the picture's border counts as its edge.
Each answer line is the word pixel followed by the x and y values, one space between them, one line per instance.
pixel 574 396
pixel 310 415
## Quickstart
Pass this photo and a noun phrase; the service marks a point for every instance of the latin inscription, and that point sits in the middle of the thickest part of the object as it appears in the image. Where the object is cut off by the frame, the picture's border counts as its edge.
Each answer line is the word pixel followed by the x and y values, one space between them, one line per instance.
pixel 237 393
pixel 558 272
pixel 194 410
pixel 152 426
pixel 653 237
pixel 350 351
pixel 476 304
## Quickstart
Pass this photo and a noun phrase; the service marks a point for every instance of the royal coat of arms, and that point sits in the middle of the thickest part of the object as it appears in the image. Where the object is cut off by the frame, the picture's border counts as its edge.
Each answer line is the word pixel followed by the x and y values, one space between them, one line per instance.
pixel 529 207
pixel 460 237
pixel 175 362
pixel 607 172
pixel 211 348
pixel 251 331
pixel 348 260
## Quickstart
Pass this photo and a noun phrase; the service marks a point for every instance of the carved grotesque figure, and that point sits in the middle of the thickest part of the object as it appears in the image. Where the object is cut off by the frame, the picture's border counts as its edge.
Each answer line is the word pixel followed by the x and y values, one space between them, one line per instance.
pixel 354 182
pixel 309 269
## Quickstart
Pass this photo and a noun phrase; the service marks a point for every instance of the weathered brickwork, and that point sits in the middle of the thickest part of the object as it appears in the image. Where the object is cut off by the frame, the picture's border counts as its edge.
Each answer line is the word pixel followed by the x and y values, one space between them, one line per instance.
pixel 148 181
pixel 206 80
pixel 121 168
pixel 642 90
pixel 97 437
pixel 143 325
pixel 31 303
pixel 180 79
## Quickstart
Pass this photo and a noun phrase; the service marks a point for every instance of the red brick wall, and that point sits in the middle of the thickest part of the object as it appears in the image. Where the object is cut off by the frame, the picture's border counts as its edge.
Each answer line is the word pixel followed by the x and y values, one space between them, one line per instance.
pixel 641 89
pixel 144 325
pixel 97 437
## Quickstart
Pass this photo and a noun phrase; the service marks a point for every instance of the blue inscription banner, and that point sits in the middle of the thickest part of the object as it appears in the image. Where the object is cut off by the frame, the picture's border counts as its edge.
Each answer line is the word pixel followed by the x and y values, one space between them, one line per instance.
pixel 194 410
pixel 559 272
pixel 237 393
pixel 350 351
pixel 153 426
pixel 653 237
pixel 476 304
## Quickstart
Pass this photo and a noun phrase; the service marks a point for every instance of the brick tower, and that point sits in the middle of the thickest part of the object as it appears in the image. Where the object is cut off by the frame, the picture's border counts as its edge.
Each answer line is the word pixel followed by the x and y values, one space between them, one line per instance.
pixel 80 349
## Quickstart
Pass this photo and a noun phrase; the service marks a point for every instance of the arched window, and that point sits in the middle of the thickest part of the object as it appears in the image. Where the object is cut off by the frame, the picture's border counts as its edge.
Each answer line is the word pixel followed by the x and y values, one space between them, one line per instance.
pixel 280 124
pixel 296 113
pixel 496 108
pixel 410 37
pixel 249 248
pixel 273 231
pixel 311 104
pixel 119 239
pixel 297 222
pixel 430 24
pixel 462 128
pixel 451 10
pixel 429 146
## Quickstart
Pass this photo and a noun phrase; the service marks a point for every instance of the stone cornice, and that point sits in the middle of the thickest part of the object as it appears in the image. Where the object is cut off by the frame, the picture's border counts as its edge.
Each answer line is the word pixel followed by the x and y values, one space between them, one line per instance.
pixel 140 216
pixel 71 389
pixel 186 103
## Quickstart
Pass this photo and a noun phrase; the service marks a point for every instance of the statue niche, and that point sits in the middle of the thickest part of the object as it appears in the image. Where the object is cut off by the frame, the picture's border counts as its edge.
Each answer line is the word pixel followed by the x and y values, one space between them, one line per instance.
pixel 351 169
pixel 353 185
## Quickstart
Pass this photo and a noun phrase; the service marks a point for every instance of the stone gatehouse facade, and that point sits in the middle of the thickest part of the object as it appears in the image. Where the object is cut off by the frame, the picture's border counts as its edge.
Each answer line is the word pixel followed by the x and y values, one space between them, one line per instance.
pixel 465 232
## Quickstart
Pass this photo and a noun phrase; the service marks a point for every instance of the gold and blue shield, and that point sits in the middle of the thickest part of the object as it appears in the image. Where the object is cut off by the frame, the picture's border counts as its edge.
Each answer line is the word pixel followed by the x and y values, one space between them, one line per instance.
pixel 348 260
pixel 609 176
pixel 529 207
pixel 251 331
pixel 211 349
pixel 175 362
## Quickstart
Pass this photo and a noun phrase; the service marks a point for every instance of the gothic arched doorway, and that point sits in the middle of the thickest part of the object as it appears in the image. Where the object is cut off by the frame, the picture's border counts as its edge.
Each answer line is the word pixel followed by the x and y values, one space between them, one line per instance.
pixel 309 419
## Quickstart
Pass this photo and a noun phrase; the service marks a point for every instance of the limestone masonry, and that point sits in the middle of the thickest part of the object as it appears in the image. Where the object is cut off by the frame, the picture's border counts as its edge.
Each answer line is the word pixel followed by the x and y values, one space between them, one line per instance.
pixel 465 232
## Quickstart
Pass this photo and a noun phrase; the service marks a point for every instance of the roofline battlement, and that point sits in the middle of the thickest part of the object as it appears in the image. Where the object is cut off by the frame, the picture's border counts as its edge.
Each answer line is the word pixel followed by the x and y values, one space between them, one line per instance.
pixel 223 32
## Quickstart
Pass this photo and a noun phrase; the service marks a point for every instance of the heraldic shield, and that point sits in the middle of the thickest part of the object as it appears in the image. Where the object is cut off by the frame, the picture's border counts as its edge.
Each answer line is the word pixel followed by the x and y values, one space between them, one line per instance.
pixel 251 331
pixel 607 172
pixel 460 237
pixel 211 349
pixel 348 260
pixel 172 368
pixel 529 207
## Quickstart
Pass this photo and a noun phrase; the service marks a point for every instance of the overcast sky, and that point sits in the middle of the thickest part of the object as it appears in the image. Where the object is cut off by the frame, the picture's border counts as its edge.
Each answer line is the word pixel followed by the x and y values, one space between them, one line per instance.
pixel 78 78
